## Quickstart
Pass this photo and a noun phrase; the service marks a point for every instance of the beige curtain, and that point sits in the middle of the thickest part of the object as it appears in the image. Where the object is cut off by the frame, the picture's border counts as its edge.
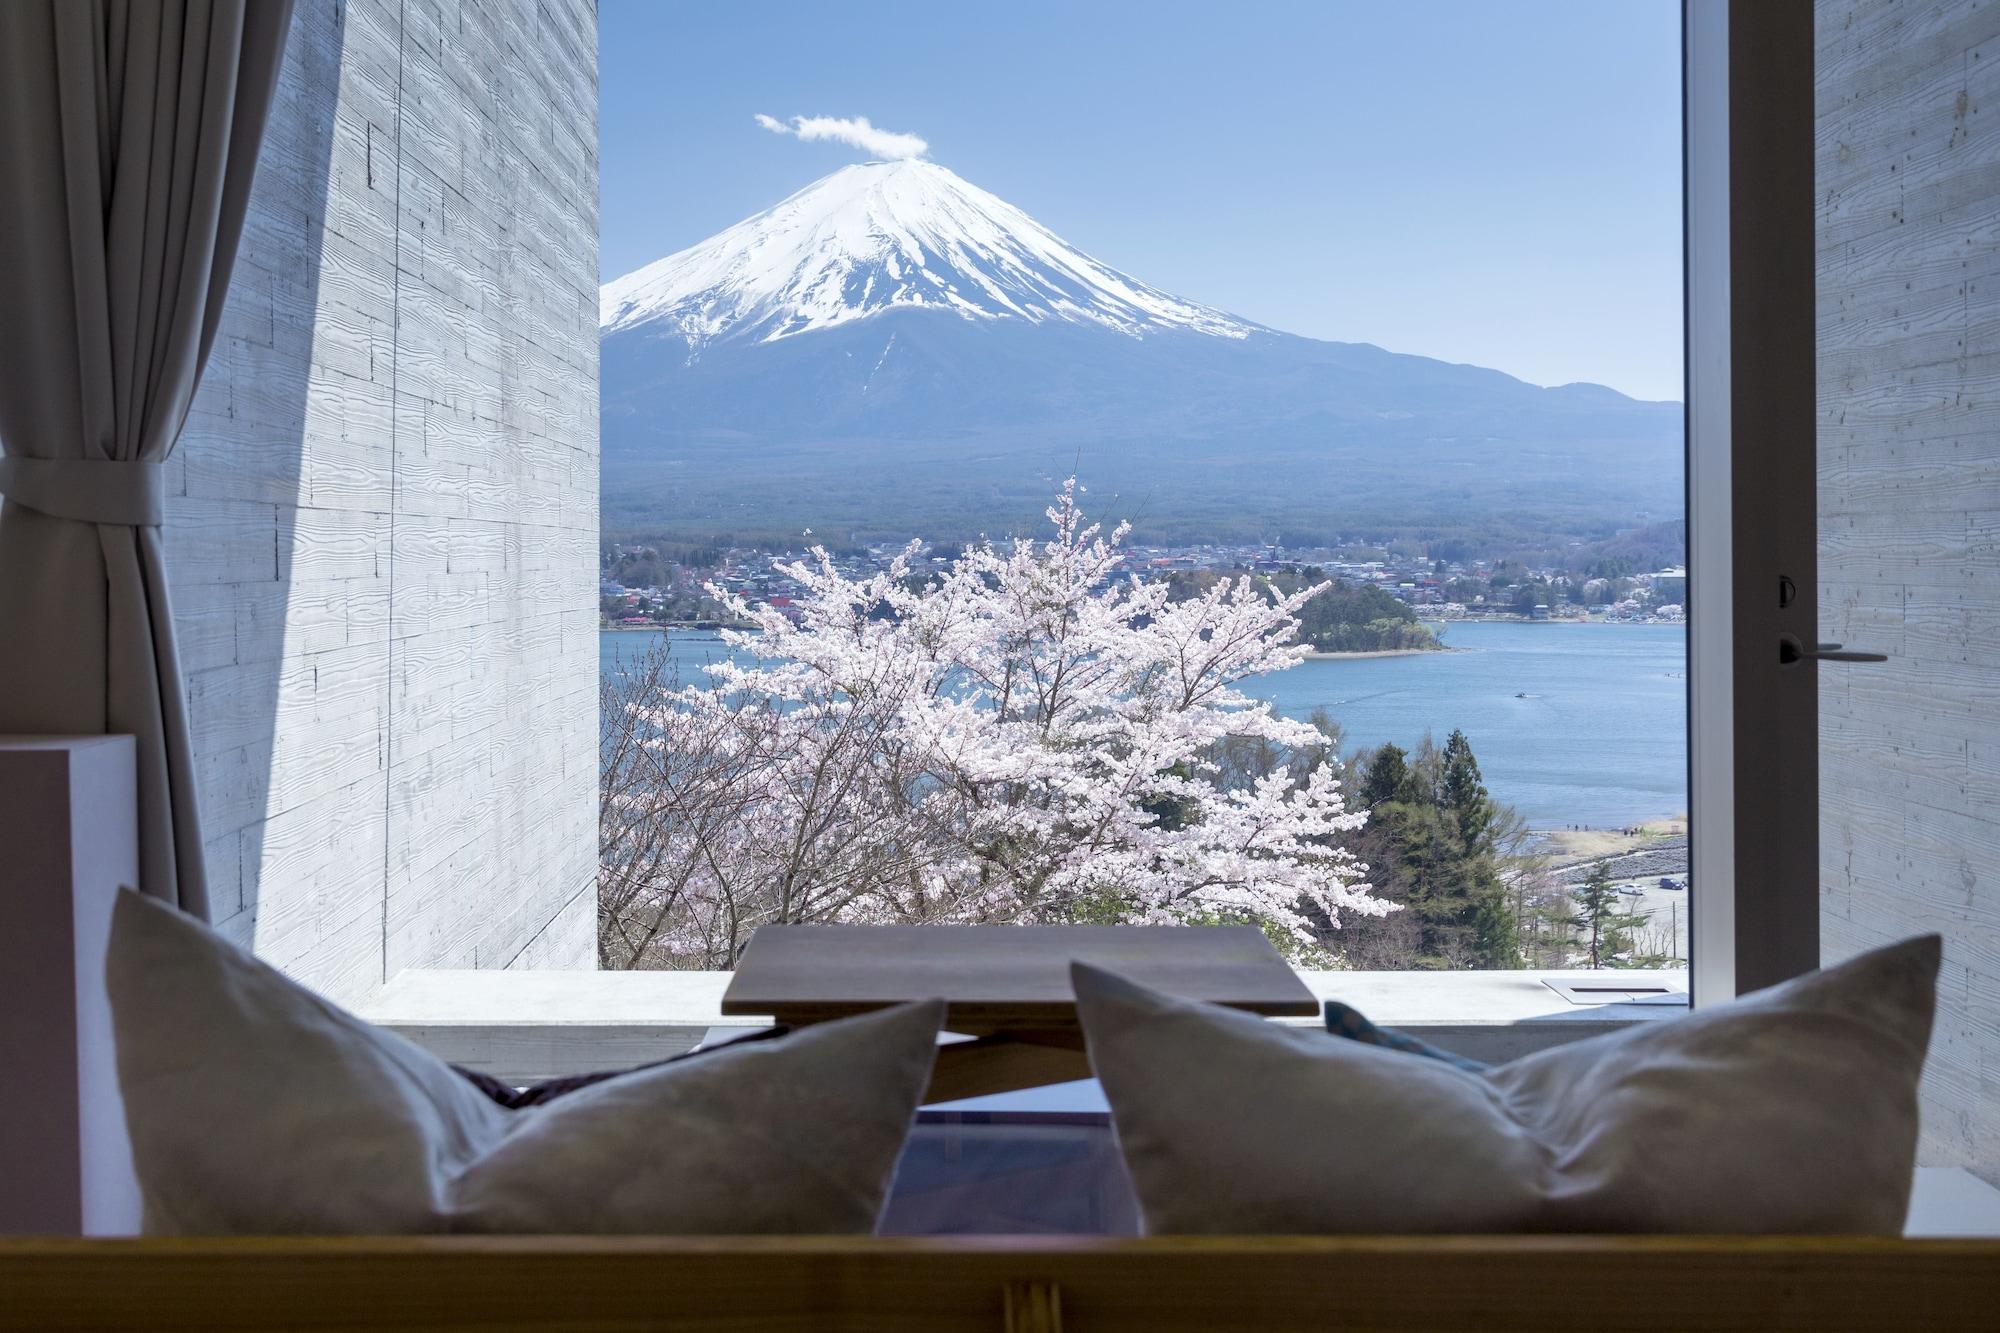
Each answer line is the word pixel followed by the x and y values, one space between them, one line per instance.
pixel 128 137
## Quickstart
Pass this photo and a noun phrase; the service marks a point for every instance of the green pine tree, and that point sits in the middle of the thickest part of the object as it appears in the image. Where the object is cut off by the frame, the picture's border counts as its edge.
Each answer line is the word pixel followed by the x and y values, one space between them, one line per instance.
pixel 1462 790
pixel 1609 929
pixel 1385 777
pixel 1432 846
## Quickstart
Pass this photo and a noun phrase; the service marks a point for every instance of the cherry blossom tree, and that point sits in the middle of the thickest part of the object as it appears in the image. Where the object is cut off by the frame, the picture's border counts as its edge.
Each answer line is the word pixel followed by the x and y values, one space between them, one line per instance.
pixel 1034 735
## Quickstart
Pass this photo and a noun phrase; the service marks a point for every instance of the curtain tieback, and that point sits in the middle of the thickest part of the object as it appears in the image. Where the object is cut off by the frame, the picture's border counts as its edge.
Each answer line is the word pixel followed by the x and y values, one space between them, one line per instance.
pixel 88 490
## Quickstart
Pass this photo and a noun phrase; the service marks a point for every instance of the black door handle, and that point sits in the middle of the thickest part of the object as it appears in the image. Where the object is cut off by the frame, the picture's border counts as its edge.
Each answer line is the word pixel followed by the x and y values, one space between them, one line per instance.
pixel 1791 651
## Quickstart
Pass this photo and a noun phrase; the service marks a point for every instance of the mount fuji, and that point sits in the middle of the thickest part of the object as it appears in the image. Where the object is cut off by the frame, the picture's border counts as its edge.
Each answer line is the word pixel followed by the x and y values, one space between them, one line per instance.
pixel 893 351
pixel 889 236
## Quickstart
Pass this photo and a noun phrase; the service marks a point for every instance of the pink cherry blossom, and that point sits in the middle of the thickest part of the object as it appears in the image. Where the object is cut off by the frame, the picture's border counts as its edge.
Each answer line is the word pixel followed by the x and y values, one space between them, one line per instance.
pixel 1030 736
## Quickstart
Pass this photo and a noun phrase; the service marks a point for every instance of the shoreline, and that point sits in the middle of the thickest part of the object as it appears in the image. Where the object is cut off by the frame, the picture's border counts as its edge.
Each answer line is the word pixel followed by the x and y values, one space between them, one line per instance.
pixel 1571 846
pixel 1320 655
pixel 1557 620
pixel 664 629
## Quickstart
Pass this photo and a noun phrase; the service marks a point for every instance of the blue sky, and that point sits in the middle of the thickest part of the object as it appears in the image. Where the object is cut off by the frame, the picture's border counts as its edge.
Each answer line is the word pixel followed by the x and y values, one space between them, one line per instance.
pixel 1492 182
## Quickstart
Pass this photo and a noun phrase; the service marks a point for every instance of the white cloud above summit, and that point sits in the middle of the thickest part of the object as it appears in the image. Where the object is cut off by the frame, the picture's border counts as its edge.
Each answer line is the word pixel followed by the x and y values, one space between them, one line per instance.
pixel 853 130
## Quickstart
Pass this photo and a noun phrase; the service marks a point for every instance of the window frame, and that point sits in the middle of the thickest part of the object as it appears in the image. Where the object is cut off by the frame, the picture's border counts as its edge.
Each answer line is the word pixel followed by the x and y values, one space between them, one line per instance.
pixel 1752 512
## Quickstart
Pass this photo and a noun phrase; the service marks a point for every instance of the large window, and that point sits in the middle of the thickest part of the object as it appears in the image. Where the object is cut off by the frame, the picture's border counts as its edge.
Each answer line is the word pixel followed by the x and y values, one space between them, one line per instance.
pixel 1147 464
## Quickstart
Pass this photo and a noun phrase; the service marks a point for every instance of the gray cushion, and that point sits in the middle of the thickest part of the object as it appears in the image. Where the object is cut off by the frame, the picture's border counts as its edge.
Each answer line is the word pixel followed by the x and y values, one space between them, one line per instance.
pixel 257 1107
pixel 1790 1110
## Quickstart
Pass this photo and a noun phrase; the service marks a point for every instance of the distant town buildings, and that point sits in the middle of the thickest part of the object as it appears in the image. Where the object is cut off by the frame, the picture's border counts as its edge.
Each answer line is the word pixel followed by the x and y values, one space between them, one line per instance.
pixel 640 587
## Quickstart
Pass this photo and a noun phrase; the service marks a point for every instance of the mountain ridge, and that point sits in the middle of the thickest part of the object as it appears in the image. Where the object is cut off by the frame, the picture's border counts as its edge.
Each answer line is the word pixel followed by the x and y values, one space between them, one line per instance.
pixel 893 320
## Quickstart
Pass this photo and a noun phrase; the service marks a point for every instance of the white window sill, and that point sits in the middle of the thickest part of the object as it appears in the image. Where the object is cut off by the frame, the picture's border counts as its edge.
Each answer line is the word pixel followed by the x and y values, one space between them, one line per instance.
pixel 525 1026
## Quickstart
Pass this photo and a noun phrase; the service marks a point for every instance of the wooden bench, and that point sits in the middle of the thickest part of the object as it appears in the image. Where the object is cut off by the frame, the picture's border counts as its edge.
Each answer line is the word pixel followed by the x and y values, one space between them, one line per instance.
pixel 998 1285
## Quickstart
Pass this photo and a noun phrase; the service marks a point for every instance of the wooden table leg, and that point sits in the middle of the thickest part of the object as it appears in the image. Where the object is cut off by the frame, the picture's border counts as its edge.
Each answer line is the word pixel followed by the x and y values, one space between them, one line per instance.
pixel 1007 1062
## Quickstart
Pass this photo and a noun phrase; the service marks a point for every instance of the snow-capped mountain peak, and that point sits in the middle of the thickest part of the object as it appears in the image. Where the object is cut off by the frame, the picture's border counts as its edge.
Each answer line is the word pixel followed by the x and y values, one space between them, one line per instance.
pixel 881 236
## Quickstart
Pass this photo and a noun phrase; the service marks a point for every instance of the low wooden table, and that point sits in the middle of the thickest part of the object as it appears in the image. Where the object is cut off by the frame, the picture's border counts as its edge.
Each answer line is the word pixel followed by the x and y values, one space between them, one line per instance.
pixel 1007 986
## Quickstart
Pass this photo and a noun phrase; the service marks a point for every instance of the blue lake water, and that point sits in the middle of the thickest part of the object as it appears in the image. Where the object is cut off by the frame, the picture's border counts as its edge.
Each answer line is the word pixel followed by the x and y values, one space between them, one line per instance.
pixel 1572 724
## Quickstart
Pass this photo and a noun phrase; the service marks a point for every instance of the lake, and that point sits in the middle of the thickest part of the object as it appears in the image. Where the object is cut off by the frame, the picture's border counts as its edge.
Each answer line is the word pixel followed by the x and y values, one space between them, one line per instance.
pixel 1572 724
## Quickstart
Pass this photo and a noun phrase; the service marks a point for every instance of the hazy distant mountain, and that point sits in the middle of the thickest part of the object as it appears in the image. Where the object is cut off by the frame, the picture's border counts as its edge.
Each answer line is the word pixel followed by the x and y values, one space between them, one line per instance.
pixel 893 350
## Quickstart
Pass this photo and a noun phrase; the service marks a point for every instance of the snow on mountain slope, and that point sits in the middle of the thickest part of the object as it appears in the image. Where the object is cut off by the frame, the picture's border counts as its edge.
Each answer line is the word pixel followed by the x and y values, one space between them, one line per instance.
pixel 880 236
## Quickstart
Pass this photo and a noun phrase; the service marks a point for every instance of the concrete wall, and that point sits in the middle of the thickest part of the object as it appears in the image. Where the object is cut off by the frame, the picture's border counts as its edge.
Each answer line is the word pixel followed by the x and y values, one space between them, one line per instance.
pixel 1908 148
pixel 383 541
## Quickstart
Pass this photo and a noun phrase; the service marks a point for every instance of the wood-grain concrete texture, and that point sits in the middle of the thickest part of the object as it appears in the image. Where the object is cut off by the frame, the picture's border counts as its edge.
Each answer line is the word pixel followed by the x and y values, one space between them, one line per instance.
pixel 382 537
pixel 1908 219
